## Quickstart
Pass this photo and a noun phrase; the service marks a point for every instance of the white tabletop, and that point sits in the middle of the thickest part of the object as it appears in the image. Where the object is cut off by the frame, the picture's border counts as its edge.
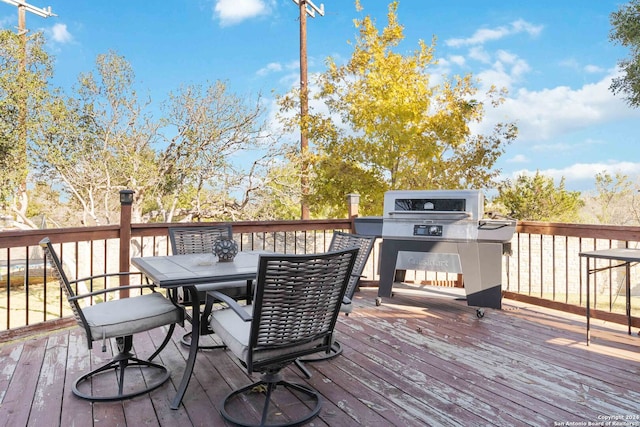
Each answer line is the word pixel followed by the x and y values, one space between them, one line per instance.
pixel 178 270
pixel 620 254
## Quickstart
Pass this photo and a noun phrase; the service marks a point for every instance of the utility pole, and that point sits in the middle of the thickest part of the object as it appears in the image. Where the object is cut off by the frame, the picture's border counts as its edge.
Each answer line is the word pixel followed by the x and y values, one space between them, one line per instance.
pixel 23 8
pixel 306 8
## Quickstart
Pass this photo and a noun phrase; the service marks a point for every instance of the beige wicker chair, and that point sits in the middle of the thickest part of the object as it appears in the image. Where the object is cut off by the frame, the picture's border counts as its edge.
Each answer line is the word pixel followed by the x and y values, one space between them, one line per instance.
pixel 119 319
pixel 201 240
pixel 297 302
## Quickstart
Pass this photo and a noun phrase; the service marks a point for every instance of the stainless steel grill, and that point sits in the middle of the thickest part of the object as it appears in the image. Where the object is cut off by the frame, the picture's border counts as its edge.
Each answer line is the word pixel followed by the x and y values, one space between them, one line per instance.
pixel 444 231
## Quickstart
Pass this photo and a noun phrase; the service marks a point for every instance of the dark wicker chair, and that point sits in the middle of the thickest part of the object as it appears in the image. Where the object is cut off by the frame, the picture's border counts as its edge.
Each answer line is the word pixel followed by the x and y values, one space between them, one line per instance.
pixel 341 241
pixel 119 319
pixel 296 305
pixel 201 240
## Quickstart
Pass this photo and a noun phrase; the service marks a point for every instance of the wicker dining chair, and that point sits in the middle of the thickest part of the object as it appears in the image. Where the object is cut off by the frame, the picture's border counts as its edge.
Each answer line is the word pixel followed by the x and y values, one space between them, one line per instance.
pixel 119 319
pixel 341 241
pixel 296 305
pixel 201 240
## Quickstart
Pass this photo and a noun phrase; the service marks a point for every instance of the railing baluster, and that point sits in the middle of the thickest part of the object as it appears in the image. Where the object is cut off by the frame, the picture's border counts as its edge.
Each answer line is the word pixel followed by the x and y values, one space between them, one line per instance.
pixel 82 247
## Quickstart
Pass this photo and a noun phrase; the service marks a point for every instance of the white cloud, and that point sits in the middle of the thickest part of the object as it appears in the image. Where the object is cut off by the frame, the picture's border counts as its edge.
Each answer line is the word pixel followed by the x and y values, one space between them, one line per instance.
pixel 231 12
pixel 582 171
pixel 60 34
pixel 573 64
pixel 518 158
pixel 515 66
pixel 582 175
pixel 272 67
pixel 479 54
pixel 522 26
pixel 546 114
pixel 506 57
pixel 457 59
pixel 505 71
pixel 554 147
pixel 593 69
pixel 484 35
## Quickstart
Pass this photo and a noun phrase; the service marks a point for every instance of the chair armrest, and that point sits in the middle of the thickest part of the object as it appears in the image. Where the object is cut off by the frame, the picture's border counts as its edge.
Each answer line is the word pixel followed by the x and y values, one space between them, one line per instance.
pixel 107 290
pixel 233 304
pixel 105 275
pixel 112 289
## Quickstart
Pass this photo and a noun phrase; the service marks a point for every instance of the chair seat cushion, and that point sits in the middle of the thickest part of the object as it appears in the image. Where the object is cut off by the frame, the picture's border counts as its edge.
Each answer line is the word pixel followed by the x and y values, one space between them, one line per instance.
pixel 131 315
pixel 234 332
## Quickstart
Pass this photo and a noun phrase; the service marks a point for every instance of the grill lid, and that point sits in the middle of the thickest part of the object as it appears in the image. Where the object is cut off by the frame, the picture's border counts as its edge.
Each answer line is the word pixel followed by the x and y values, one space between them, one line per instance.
pixel 442 215
pixel 446 204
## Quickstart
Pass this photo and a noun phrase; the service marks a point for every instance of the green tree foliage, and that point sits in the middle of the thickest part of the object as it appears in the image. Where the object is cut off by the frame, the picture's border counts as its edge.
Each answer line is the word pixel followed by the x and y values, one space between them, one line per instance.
pixel 25 69
pixel 278 194
pixel 99 141
pixel 104 139
pixel 384 123
pixel 615 200
pixel 212 130
pixel 625 30
pixel 536 198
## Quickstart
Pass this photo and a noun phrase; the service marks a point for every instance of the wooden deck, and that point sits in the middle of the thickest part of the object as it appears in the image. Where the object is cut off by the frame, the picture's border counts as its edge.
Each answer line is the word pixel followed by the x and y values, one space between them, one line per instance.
pixel 414 361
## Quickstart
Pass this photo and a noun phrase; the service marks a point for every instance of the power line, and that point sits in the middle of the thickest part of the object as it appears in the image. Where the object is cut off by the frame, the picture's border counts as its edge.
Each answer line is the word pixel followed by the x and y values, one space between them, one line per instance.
pixel 42 12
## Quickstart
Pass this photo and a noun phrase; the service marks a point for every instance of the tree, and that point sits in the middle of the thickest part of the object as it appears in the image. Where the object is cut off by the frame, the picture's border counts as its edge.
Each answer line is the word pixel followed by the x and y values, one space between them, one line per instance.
pixel 380 122
pixel 615 200
pixel 98 142
pixel 104 139
pixel 278 196
pixel 24 74
pixel 536 198
pixel 625 30
pixel 211 128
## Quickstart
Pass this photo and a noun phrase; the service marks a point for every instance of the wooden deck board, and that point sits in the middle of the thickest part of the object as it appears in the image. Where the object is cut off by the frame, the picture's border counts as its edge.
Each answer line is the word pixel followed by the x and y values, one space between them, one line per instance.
pixel 413 361
pixel 45 405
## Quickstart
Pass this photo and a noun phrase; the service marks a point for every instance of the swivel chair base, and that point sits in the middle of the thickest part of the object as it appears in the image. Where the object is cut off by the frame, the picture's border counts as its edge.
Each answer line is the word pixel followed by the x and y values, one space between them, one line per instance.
pixel 336 350
pixel 267 385
pixel 121 361
pixel 186 342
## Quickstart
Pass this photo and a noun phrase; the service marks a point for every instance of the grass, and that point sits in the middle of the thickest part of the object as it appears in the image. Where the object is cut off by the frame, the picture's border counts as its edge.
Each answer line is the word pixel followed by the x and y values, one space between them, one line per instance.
pixel 19 307
pixel 37 303
pixel 618 303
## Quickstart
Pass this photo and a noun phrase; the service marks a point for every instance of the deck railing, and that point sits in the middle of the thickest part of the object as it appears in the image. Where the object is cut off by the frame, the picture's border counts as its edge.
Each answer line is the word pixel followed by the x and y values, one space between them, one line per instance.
pixel 544 267
pixel 29 294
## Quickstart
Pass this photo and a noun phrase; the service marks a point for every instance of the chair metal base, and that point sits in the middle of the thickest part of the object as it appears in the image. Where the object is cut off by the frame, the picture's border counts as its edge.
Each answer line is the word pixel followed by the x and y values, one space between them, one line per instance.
pixel 186 342
pixel 267 385
pixel 336 350
pixel 119 364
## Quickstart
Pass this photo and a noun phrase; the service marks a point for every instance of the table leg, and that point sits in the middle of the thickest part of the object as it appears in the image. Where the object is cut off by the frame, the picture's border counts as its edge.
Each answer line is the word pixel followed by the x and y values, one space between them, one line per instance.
pixel 588 303
pixel 249 291
pixel 193 349
pixel 628 294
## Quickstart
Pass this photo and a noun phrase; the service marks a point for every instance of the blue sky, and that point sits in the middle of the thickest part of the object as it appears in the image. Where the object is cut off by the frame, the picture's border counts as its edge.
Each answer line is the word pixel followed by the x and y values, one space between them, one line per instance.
pixel 554 57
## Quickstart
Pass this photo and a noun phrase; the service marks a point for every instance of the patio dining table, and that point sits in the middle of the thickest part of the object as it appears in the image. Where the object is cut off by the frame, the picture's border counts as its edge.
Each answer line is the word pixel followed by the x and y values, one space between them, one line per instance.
pixel 187 271
pixel 626 257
